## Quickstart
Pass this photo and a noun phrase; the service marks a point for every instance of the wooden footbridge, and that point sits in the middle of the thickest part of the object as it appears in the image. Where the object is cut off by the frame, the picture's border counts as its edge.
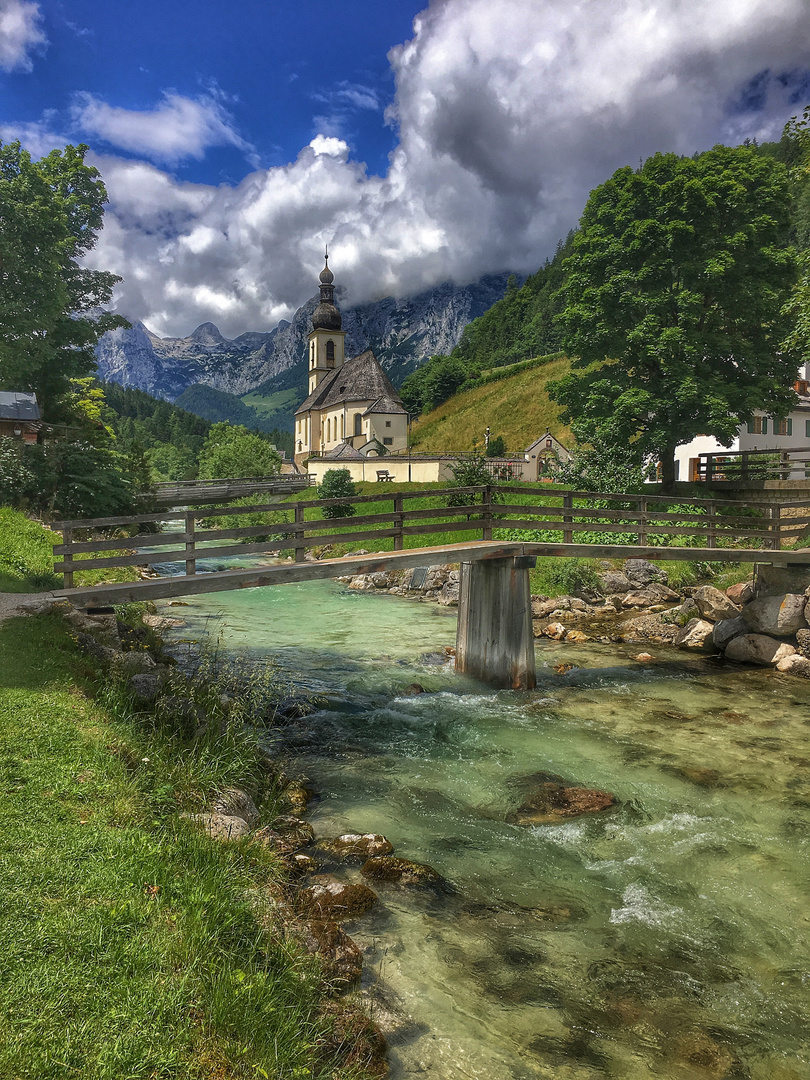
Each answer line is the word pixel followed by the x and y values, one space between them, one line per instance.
pixel 501 529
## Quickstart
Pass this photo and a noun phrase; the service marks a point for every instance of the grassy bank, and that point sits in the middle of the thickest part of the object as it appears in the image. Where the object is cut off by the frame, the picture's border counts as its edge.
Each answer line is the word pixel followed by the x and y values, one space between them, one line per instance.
pixel 132 945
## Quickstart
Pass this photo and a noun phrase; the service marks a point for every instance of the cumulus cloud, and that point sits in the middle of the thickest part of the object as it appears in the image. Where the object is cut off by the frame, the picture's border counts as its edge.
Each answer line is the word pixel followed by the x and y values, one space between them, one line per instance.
pixel 21 34
pixel 177 128
pixel 507 115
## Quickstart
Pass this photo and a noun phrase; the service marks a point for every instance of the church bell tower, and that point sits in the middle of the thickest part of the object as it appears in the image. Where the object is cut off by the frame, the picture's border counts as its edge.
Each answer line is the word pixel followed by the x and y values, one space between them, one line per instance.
pixel 325 343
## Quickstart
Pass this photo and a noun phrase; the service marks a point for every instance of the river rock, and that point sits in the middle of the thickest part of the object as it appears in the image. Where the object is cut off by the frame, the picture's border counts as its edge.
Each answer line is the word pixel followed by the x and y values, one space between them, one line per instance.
pixel 145 687
pixel 542 607
pixel 713 604
pixel 335 899
pixel 403 872
pixel 361 846
pixel 285 835
pixel 795 664
pixel 741 593
pixel 296 796
pixel 87 644
pixel 554 801
pixel 237 802
pixel 341 958
pixel 220 826
pixel 642 572
pixel 556 631
pixel 614 581
pixel 803 642
pixel 127 664
pixel 697 635
pixel 778 615
pixel 758 649
pixel 727 629
pixel 576 637
pixel 449 594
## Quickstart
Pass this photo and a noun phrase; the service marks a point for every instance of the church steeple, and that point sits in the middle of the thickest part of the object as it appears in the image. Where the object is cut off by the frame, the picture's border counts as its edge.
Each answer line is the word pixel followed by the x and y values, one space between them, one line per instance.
pixel 326 336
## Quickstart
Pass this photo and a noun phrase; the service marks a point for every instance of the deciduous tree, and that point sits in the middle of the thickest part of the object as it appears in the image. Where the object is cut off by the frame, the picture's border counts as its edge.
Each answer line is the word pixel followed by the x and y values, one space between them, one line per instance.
pixel 231 450
pixel 672 303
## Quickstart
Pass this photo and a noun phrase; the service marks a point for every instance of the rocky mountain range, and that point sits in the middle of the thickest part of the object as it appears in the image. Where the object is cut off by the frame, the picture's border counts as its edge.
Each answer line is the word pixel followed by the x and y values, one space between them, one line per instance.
pixel 402 332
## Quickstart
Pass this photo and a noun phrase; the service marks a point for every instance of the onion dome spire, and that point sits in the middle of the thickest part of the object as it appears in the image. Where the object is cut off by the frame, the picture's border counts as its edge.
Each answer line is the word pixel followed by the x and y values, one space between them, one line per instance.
pixel 326 316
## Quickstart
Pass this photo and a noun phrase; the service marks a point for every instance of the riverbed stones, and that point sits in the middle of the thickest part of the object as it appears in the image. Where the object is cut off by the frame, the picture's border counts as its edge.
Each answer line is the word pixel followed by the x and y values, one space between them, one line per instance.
pixel 220 826
pixel 740 593
pixel 286 834
pixel 145 686
pixel 713 604
pixel 727 629
pixel 403 872
pixel 803 642
pixel 553 801
pixel 642 572
pixel 556 631
pixel 359 845
pixel 758 649
pixel 779 615
pixel 333 899
pixel 795 664
pixel 341 958
pixel 696 635
pixel 576 637
pixel 296 797
pixel 614 581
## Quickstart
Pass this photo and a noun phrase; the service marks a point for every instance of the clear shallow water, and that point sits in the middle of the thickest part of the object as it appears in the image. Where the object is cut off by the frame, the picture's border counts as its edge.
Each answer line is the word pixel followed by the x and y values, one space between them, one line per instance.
pixel 665 938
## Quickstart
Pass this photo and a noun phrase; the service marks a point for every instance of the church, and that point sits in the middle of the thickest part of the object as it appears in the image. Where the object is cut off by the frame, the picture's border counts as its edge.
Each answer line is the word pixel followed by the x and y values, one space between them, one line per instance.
pixel 352 411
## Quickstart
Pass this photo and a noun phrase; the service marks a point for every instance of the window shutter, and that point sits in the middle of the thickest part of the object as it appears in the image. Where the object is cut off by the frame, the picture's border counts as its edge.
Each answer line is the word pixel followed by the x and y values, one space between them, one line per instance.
pixel 764 425
pixel 751 427
pixel 807 429
pixel 789 426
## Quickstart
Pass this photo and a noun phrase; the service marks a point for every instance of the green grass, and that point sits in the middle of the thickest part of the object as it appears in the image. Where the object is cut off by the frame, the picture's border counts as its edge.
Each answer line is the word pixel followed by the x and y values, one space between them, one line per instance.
pixel 26 557
pixel 132 946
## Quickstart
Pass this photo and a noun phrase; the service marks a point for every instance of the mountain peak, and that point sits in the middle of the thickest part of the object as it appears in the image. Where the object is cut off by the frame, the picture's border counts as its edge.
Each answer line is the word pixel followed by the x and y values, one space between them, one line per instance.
pixel 207 334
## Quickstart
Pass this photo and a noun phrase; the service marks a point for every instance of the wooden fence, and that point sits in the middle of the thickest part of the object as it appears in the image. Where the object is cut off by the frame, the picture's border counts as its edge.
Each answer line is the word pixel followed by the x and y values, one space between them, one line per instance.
pixel 568 515
pixel 752 466
pixel 182 492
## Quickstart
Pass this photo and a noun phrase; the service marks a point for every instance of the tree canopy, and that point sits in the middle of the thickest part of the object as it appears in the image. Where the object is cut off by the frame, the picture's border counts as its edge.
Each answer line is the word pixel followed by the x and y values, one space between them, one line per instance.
pixel 50 303
pixel 231 450
pixel 673 295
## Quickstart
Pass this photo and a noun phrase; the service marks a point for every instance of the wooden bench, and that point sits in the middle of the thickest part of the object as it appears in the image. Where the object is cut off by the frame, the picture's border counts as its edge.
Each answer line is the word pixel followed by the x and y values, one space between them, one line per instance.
pixel 384 476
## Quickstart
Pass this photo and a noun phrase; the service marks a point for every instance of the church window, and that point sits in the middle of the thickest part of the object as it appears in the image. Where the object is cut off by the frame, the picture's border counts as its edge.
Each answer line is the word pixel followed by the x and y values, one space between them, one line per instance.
pixel 388 442
pixel 388 423
pixel 358 424
pixel 330 353
pixel 328 430
pixel 342 424
pixel 312 354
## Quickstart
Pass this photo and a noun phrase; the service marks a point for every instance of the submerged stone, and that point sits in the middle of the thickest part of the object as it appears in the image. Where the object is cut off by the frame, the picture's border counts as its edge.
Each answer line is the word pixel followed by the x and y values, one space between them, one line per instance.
pixel 341 958
pixel 286 835
pixel 333 899
pixel 554 801
pixel 357 845
pixel 403 872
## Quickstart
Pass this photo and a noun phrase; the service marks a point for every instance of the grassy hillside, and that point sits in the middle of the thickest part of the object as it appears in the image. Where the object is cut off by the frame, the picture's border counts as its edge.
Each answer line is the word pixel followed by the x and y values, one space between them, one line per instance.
pixel 516 407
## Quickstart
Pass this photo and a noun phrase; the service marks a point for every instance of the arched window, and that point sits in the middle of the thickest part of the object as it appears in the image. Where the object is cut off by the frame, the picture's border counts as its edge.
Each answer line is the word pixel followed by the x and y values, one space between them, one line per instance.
pixel 328 430
pixel 312 354
pixel 342 424
pixel 330 353
pixel 358 424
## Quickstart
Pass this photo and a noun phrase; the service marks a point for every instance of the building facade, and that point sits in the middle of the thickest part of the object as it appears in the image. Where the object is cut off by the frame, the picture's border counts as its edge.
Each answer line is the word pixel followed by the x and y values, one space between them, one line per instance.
pixel 352 410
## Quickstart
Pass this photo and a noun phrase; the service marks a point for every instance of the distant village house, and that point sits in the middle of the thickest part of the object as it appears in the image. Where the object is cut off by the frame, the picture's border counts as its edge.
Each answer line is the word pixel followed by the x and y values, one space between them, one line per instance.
pixel 19 416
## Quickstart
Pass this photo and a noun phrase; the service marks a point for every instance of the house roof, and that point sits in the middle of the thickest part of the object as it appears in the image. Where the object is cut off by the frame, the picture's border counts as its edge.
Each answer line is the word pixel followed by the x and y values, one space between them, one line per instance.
pixel 385 404
pixel 15 405
pixel 359 379
pixel 344 452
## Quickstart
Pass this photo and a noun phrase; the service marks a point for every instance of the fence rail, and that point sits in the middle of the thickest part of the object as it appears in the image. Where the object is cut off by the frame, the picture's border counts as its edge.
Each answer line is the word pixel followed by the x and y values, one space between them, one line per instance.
pixel 630 519
pixel 174 492
pixel 747 466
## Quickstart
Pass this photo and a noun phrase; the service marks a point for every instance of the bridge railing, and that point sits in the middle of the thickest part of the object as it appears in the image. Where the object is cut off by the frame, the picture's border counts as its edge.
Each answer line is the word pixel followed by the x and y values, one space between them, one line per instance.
pixel 752 466
pixel 174 492
pixel 417 518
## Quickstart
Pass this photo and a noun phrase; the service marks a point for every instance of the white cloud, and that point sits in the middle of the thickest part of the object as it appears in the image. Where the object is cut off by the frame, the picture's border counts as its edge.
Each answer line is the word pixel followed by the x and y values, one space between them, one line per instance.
pixel 21 34
pixel 507 115
pixel 177 128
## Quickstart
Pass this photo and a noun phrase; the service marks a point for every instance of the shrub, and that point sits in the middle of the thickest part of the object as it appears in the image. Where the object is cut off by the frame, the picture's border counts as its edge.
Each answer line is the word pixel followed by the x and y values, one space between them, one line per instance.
pixel 338 484
pixel 569 577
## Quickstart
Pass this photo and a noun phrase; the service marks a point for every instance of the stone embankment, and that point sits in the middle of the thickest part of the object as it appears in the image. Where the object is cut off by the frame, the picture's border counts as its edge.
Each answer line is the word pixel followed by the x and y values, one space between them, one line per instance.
pixel 766 623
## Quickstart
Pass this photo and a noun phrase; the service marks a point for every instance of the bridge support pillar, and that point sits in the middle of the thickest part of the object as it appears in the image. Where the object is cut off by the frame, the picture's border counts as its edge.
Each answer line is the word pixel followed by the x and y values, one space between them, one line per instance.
pixel 494 640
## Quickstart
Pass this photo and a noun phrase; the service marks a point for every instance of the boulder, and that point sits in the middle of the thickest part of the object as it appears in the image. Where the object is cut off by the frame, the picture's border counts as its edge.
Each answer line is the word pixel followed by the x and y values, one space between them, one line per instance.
pixel 554 801
pixel 576 637
pixel 727 629
pixel 236 802
pixel 696 635
pixel 556 631
pixel 642 572
pixel 335 899
pixel 741 593
pixel 637 598
pixel 296 796
pixel 341 959
pixel 285 835
pixel 359 846
pixel 133 663
pixel 542 607
pixel 713 604
pixel 758 649
pixel 145 687
pixel 795 664
pixel 87 644
pixel 449 594
pixel 803 642
pixel 779 615
pixel 403 872
pixel 614 581
pixel 220 826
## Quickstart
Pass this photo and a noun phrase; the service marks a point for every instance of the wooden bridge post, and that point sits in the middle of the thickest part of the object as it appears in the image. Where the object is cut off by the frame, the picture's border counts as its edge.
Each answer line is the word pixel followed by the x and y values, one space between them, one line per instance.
pixel 298 536
pixel 191 555
pixel 67 559
pixel 776 527
pixel 494 640
pixel 398 504
pixel 568 518
pixel 642 524
pixel 486 512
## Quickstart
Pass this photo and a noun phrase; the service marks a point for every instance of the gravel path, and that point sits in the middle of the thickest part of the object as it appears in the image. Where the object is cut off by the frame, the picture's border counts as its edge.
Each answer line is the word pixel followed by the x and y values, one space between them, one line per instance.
pixel 9 602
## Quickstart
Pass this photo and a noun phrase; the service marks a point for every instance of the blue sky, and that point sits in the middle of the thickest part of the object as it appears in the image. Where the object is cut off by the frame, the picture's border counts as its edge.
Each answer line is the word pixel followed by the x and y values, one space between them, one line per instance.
pixel 424 142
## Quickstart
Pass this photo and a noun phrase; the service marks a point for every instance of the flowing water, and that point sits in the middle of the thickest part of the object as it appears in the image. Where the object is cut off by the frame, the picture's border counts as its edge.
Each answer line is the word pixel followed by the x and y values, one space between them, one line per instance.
pixel 665 938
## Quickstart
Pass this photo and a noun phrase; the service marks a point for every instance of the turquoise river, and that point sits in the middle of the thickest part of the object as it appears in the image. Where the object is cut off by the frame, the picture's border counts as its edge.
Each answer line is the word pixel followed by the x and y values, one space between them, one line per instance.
pixel 664 939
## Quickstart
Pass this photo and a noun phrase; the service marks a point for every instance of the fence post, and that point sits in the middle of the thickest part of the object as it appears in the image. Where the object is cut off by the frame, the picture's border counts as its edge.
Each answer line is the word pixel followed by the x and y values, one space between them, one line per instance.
pixel 744 468
pixel 486 513
pixel 299 533
pixel 67 573
pixel 642 525
pixel 776 527
pixel 398 541
pixel 191 554
pixel 568 518
pixel 709 468
pixel 711 526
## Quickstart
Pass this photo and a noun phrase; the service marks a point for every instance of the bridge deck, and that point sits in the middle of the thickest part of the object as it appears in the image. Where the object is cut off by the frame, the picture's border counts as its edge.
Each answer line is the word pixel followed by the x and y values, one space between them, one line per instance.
pixel 288 572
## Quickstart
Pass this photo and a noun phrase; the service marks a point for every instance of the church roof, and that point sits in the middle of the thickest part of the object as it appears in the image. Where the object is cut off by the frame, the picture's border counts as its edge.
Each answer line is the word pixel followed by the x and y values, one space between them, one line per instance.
pixel 385 404
pixel 344 452
pixel 359 379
